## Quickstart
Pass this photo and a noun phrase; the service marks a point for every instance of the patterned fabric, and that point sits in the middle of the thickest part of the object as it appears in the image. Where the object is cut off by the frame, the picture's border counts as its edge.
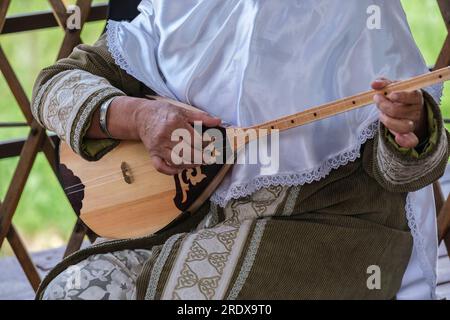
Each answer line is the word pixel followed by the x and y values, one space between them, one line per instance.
pixel 205 263
pixel 276 243
pixel 110 276
pixel 403 170
pixel 66 102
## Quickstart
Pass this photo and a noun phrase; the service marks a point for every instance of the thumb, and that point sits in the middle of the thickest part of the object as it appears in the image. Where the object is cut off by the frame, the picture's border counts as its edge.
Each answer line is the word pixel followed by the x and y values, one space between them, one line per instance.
pixel 408 140
pixel 380 83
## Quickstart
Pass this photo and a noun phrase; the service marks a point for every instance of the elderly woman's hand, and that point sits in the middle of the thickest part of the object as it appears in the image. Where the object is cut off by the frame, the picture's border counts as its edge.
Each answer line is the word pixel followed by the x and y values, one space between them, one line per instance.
pixel 153 123
pixel 156 121
pixel 403 113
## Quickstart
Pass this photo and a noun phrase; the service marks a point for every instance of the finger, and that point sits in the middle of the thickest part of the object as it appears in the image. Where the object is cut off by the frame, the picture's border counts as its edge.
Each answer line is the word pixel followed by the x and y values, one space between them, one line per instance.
pixel 162 167
pixel 395 109
pixel 184 156
pixel 409 140
pixel 401 126
pixel 407 97
pixel 188 134
pixel 380 83
pixel 196 139
pixel 206 119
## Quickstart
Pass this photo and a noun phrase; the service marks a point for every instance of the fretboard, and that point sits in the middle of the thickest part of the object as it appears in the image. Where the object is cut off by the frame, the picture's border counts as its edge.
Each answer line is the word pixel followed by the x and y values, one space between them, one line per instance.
pixel 354 102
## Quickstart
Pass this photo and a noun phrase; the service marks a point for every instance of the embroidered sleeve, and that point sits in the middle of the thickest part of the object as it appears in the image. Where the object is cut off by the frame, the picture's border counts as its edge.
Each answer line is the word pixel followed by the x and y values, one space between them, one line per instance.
pixel 67 93
pixel 405 170
pixel 65 104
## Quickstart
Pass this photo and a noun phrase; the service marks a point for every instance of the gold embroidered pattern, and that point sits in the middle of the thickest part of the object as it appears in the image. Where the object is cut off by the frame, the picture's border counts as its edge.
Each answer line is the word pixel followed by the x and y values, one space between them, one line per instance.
pixel 197 253
pixel 62 99
pixel 208 285
pixel 206 262
pixel 218 260
pixel 227 238
pixel 205 234
pixel 187 278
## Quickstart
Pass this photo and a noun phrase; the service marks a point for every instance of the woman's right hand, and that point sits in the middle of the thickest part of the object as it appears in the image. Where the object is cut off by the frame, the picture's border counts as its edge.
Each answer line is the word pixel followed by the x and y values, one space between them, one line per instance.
pixel 155 123
pixel 152 122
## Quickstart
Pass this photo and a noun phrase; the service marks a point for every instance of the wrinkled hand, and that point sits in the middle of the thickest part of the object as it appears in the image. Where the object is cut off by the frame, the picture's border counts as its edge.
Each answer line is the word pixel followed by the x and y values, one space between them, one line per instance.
pixel 403 114
pixel 156 122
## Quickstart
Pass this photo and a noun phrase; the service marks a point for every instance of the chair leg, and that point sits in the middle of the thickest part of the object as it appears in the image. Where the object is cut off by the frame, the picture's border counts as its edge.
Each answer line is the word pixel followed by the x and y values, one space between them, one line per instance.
pixel 23 257
pixel 438 197
pixel 443 221
pixel 447 243
pixel 77 236
pixel 444 225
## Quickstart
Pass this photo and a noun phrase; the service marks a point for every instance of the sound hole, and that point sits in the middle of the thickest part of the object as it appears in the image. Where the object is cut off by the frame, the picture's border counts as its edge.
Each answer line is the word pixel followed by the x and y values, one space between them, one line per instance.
pixel 354 102
pixel 315 114
pixel 292 121
pixel 272 127
pixel 440 76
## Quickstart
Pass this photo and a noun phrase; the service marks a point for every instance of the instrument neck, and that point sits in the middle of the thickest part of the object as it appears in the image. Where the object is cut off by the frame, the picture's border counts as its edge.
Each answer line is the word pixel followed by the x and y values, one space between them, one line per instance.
pixel 350 103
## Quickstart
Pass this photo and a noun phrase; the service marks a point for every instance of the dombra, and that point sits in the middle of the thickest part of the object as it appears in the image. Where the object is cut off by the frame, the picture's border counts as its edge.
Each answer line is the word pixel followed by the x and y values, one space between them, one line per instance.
pixel 122 196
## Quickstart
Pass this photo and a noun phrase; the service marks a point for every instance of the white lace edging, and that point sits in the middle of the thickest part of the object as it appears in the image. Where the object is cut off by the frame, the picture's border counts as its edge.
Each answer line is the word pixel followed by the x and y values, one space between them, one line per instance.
pixel 419 245
pixel 115 50
pixel 296 178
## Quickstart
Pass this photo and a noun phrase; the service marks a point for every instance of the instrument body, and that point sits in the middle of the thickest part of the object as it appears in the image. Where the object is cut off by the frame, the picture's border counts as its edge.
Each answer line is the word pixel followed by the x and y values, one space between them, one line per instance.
pixel 123 196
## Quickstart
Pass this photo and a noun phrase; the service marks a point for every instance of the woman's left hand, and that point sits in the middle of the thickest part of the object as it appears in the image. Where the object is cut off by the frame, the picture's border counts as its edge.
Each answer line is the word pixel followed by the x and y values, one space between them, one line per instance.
pixel 403 113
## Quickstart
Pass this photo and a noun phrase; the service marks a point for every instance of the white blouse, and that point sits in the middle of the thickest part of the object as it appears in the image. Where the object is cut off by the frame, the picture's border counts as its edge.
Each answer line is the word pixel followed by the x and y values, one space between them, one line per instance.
pixel 250 61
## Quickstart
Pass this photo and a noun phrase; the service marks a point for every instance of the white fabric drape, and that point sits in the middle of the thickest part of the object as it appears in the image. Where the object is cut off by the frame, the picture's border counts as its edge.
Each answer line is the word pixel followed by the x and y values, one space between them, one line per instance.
pixel 249 61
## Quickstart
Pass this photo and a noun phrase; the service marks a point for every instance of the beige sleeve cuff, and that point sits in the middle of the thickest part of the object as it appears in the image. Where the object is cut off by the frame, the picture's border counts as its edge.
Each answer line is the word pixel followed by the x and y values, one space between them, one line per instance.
pixel 403 172
pixel 65 105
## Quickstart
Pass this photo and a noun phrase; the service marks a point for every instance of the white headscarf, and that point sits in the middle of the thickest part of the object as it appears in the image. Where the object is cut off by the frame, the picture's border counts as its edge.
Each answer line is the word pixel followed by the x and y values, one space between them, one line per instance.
pixel 250 61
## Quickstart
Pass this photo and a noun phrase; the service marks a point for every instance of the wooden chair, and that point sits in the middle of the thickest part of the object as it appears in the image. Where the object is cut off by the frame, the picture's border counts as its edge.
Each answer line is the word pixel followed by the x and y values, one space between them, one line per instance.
pixel 37 140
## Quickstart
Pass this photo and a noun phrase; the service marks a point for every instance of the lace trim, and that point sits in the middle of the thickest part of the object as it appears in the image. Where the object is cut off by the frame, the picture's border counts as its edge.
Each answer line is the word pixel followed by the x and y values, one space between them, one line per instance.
pixel 419 245
pixel 249 259
pixel 159 265
pixel 115 50
pixel 290 201
pixel 295 178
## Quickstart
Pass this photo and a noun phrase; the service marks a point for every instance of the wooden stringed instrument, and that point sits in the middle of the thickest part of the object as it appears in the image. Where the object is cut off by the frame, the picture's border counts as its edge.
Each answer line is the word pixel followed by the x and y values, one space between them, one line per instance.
pixel 123 196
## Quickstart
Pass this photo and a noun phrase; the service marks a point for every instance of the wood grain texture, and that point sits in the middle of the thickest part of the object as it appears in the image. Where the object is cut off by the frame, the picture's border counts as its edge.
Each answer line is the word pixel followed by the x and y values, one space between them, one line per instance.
pixel 23 257
pixel 21 173
pixel 112 207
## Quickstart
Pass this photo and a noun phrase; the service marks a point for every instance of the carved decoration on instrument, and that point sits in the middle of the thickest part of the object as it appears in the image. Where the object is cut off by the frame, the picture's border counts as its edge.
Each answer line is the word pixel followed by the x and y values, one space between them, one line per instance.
pixel 73 187
pixel 193 177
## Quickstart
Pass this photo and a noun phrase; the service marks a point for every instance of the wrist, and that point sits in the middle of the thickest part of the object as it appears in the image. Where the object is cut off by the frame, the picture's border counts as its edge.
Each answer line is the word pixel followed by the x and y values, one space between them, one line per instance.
pixel 141 117
pixel 121 118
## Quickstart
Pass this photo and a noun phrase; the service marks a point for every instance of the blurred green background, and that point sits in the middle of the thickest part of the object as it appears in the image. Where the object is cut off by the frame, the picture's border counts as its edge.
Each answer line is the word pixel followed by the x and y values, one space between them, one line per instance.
pixel 44 217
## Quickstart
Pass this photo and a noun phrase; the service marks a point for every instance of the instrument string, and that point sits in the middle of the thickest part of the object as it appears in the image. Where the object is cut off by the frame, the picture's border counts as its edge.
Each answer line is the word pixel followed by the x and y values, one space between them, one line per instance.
pixel 84 187
pixel 147 162
pixel 418 82
pixel 105 176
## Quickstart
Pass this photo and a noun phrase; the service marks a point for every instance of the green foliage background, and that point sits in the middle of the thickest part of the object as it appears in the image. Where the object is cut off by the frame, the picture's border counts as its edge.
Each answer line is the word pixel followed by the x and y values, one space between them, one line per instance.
pixel 44 216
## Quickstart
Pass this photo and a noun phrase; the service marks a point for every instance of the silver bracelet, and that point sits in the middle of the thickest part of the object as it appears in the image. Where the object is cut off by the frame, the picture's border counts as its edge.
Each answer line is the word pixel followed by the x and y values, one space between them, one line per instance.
pixel 104 117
